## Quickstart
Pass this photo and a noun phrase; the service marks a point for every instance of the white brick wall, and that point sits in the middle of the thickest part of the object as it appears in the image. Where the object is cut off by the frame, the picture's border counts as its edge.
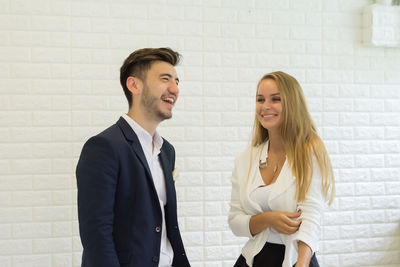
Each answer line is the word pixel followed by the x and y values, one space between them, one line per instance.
pixel 59 62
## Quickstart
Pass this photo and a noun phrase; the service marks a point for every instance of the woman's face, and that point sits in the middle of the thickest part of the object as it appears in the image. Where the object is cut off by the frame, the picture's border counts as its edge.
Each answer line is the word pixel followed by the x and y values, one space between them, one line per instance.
pixel 269 105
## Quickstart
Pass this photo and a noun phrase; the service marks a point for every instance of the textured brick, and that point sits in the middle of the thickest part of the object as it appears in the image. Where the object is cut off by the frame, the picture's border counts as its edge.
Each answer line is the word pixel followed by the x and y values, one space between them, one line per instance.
pixel 61 260
pixel 14 54
pixel 27 166
pixel 369 105
pixel 370 216
pixel 354 231
pixel 31 198
pixel 360 119
pixel 193 224
pixel 369 160
pixel 385 174
pixel 9 247
pixel 385 91
pixel 32 260
pixel 52 245
pixel 45 214
pixel 350 203
pixel 338 246
pixel 336 218
pixel 354 147
pixel 62 197
pixel 329 260
pixel 5 261
pixel 370 189
pixel 335 133
pixel 193 239
pixel 30 70
pixel 31 230
pixel 372 133
pixel 385 202
pixel 354 259
pixel 392 188
pixel 59 85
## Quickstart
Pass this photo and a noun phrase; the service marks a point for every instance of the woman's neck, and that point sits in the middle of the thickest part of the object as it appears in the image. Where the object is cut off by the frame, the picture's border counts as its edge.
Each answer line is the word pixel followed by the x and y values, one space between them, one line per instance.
pixel 275 143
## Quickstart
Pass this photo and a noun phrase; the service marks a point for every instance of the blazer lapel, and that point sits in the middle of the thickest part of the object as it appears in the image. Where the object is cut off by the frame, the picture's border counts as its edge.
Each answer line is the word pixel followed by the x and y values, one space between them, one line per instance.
pixel 284 181
pixel 169 181
pixel 137 147
pixel 285 178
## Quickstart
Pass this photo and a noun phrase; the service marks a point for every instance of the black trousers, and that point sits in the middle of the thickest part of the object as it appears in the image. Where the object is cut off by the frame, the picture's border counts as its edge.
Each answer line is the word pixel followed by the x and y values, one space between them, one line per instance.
pixel 271 255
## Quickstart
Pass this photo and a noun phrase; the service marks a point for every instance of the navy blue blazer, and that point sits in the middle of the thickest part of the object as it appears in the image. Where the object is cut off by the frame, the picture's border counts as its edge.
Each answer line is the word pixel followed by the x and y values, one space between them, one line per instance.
pixel 118 208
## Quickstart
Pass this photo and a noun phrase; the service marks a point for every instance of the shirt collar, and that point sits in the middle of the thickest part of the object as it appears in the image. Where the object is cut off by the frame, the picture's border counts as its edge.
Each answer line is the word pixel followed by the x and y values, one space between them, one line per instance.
pixel 145 138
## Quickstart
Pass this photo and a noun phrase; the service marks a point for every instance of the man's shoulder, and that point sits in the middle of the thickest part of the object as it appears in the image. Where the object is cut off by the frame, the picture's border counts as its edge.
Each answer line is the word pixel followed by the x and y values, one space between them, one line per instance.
pixel 111 135
pixel 111 131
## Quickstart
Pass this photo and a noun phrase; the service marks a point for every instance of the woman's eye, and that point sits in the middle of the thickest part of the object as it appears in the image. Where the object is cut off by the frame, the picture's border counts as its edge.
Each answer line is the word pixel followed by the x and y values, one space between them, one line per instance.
pixel 260 100
pixel 277 99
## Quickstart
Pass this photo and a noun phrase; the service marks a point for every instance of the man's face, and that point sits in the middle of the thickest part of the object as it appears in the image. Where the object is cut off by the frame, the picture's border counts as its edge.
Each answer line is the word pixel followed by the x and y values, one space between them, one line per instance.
pixel 160 91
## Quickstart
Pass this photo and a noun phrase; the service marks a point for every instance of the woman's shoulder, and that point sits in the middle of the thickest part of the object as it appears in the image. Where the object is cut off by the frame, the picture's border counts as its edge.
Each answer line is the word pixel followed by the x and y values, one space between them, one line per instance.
pixel 249 152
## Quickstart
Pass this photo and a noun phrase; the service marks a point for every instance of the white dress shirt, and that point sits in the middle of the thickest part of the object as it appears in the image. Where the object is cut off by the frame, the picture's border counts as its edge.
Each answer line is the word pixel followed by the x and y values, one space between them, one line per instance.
pixel 153 160
pixel 260 195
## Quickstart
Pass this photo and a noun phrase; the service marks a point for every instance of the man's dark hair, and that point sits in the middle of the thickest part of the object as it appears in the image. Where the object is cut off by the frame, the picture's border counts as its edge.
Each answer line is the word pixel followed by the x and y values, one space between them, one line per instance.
pixel 139 62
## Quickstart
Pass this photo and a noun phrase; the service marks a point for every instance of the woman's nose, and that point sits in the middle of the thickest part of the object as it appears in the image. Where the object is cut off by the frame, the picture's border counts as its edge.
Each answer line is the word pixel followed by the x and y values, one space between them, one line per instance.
pixel 266 105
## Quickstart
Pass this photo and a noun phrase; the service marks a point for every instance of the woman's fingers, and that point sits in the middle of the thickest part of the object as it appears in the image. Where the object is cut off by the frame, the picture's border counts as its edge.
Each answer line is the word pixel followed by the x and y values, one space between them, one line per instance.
pixel 285 224
pixel 293 215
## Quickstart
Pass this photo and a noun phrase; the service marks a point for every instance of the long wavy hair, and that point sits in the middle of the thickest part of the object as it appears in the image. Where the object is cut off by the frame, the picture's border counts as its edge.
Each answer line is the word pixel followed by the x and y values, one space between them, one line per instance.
pixel 300 139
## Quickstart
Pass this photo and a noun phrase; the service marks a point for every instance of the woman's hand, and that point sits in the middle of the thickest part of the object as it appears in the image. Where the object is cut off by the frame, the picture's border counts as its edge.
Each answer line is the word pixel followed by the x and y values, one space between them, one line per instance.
pixel 284 222
pixel 281 221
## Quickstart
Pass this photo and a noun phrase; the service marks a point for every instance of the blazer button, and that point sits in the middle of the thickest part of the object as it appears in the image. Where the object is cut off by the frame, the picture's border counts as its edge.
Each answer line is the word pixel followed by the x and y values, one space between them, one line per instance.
pixel 158 229
pixel 155 258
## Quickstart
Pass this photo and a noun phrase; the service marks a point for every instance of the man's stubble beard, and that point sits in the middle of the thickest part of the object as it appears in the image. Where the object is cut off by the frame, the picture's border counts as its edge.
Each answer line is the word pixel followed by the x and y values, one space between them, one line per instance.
pixel 149 102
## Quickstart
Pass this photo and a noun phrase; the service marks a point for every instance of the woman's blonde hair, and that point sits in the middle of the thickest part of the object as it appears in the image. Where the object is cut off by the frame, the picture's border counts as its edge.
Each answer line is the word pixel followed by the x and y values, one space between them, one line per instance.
pixel 300 138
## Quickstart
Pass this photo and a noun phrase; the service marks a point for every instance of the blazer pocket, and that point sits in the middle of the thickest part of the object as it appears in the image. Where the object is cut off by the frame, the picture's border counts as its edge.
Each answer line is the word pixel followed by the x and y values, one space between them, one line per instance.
pixel 124 257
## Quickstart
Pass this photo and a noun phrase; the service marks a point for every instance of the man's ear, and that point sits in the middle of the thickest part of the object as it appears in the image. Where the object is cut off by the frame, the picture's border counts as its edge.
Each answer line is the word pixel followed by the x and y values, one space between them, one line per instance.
pixel 134 85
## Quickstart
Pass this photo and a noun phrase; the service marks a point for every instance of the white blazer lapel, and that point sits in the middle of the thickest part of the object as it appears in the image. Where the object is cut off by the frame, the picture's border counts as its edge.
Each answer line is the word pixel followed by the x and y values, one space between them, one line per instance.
pixel 252 182
pixel 284 181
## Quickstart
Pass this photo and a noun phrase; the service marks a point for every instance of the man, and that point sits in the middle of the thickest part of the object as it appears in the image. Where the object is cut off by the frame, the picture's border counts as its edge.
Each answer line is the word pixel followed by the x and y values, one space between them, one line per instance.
pixel 126 193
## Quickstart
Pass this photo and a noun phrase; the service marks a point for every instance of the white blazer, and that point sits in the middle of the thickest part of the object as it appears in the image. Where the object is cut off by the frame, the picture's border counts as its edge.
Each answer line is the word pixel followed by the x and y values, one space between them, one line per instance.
pixel 281 198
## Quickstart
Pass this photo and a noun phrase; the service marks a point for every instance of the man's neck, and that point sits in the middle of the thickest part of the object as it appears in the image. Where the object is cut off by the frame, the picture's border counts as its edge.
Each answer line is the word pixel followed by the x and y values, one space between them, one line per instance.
pixel 148 125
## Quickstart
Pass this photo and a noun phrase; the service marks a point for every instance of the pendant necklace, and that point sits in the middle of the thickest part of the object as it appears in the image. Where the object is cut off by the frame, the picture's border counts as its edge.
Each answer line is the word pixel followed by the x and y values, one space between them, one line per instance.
pixel 264 165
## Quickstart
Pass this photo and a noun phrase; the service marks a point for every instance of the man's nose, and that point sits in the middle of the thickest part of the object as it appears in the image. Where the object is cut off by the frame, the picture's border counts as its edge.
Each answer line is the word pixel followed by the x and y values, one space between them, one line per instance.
pixel 173 88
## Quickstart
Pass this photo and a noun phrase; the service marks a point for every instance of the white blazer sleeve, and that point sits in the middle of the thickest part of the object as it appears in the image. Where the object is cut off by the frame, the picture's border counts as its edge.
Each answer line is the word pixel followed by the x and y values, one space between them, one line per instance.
pixel 238 219
pixel 310 228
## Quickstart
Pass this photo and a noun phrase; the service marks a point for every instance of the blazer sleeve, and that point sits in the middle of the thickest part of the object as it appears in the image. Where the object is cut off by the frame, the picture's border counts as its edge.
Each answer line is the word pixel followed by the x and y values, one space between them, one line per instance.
pixel 97 173
pixel 238 219
pixel 310 228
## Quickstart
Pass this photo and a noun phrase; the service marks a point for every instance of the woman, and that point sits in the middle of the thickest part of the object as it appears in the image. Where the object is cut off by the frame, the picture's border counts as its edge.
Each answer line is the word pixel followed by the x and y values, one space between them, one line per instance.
pixel 281 183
